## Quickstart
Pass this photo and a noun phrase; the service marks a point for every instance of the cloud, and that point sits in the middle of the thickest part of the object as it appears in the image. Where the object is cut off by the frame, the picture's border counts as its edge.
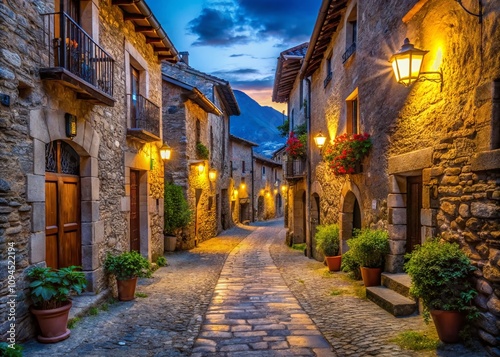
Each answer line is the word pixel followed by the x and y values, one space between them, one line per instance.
pixel 236 72
pixel 225 24
pixel 252 84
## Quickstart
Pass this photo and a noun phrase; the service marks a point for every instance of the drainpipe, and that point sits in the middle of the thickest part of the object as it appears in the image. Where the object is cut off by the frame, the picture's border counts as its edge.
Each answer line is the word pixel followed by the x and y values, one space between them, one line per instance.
pixel 308 171
pixel 253 188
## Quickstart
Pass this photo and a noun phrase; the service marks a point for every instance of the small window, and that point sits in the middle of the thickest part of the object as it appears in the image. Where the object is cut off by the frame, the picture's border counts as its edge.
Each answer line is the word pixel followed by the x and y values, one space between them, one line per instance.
pixel 211 142
pixel 329 72
pixel 243 167
pixel 198 131
pixel 263 171
pixel 292 119
pixel 352 111
pixel 301 93
pixel 351 33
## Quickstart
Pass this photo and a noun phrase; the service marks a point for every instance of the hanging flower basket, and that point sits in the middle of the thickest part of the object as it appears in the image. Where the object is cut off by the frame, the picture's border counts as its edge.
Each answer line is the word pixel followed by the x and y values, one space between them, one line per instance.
pixel 296 146
pixel 344 156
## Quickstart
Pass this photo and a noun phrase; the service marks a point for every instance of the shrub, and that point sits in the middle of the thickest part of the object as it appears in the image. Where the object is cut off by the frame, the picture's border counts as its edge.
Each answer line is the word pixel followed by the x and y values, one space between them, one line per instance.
pixel 327 239
pixel 176 209
pixel 127 265
pixel 369 248
pixel 51 288
pixel 202 152
pixel 349 265
pixel 161 261
pixel 440 274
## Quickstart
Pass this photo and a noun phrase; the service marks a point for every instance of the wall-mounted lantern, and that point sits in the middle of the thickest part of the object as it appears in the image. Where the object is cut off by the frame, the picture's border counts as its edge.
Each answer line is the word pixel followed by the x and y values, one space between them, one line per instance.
pixel 201 167
pixel 235 192
pixel 407 65
pixel 284 188
pixel 70 121
pixel 165 152
pixel 243 185
pixel 320 140
pixel 212 174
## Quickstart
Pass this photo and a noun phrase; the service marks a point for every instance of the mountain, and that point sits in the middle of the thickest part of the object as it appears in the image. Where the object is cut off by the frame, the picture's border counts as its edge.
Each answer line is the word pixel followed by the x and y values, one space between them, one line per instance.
pixel 257 124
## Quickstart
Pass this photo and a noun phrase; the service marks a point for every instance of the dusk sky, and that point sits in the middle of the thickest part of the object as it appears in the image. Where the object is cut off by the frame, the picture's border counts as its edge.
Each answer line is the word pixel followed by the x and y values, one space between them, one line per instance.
pixel 238 40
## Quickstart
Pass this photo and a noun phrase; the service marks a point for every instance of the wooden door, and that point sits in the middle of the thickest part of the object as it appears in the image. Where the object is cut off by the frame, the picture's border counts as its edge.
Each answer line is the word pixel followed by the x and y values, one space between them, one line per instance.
pixel 62 207
pixel 413 207
pixel 135 235
pixel 62 217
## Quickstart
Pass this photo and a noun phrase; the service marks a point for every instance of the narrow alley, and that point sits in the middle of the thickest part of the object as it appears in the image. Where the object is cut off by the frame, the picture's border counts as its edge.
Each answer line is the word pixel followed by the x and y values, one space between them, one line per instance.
pixel 243 293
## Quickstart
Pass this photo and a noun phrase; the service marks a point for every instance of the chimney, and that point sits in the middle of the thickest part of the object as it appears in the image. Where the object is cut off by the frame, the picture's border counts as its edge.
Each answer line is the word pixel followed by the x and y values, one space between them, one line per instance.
pixel 184 57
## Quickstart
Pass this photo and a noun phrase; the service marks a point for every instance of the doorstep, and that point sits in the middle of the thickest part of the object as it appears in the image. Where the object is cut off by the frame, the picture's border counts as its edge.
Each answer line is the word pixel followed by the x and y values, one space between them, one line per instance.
pixel 84 302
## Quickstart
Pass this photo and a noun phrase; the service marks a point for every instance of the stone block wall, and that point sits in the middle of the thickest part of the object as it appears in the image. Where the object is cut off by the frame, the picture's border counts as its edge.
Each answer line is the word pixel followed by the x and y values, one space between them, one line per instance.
pixel 240 151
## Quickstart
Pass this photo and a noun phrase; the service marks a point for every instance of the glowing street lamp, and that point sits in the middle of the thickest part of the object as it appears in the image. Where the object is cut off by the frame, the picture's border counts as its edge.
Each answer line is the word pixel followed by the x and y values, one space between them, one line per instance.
pixel 165 152
pixel 320 140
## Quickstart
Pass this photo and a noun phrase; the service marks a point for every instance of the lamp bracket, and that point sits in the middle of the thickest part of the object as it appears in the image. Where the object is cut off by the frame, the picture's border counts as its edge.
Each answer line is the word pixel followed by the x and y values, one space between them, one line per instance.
pixel 435 77
pixel 480 15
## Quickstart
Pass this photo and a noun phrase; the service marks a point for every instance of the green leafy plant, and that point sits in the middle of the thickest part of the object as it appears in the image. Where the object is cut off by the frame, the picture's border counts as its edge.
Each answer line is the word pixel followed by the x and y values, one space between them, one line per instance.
pixel 283 128
pixel 176 209
pixel 161 261
pixel 72 322
pixel 51 288
pixel 141 295
pixel 328 239
pixel 440 273
pixel 127 265
pixel 8 351
pixel 202 152
pixel 350 265
pixel 94 311
pixel 346 152
pixel 369 248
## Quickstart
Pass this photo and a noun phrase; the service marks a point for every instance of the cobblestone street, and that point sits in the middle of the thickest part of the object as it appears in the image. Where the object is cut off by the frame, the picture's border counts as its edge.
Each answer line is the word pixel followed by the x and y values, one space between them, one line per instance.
pixel 243 293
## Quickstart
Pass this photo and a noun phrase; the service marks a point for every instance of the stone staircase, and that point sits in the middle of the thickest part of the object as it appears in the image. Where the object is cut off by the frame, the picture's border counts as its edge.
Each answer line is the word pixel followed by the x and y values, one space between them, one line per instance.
pixel 393 295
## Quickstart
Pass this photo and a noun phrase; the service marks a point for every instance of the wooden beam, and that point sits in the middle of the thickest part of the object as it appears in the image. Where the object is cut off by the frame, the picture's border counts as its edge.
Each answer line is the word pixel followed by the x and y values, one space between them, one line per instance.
pixel 416 8
pixel 144 29
pixel 153 40
pixel 129 17
pixel 122 2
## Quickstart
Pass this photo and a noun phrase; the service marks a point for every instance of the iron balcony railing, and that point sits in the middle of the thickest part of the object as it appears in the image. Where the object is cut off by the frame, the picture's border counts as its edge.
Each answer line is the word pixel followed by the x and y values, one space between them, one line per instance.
pixel 144 114
pixel 295 168
pixel 348 53
pixel 70 47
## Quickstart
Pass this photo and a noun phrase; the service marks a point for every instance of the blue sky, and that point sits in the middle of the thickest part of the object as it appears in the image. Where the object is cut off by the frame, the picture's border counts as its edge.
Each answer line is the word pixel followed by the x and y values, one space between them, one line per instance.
pixel 238 40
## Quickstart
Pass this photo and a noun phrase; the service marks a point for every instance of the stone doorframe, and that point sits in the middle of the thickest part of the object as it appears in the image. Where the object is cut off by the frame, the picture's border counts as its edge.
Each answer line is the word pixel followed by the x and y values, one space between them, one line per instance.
pixel 47 125
pixel 400 167
pixel 350 193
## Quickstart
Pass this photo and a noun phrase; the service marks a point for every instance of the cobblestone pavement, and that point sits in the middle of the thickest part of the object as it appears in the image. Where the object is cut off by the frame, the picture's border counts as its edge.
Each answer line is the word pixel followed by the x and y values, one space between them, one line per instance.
pixel 253 313
pixel 169 320
pixel 166 322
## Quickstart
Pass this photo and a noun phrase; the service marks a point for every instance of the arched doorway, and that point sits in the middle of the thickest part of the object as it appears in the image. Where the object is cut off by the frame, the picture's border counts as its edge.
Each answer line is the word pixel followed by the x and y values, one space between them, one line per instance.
pixel 315 221
pixel 62 205
pixel 351 216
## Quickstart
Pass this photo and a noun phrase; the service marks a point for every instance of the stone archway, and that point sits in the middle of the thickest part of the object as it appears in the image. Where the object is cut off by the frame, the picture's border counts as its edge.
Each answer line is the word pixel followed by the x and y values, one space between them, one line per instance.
pixel 351 215
pixel 48 126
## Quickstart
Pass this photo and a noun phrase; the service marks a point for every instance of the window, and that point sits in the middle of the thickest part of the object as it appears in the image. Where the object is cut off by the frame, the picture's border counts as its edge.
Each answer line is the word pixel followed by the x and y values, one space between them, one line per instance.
pixel 329 73
pixel 134 96
pixel 198 131
pixel 211 142
pixel 231 168
pixel 352 111
pixel 292 119
pixel 351 33
pixel 263 171
pixel 243 167
pixel 301 93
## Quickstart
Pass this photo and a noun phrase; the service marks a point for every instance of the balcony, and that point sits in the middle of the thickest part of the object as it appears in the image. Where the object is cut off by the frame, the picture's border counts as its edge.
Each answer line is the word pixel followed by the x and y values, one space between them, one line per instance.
pixel 73 59
pixel 349 52
pixel 144 119
pixel 295 169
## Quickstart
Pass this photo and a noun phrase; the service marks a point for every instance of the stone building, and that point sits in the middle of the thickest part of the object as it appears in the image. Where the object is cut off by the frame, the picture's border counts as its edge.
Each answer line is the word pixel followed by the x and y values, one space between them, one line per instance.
pixel 434 168
pixel 267 181
pixel 291 89
pixel 80 171
pixel 196 111
pixel 242 174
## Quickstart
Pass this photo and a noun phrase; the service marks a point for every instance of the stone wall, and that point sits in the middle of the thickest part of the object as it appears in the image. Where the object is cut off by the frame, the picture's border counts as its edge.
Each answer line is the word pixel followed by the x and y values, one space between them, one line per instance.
pixel 242 152
pixel 445 136
pixel 35 117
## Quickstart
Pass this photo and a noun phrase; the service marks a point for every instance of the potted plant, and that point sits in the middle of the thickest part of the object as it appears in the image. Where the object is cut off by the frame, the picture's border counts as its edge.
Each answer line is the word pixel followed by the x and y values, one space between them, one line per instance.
pixel 177 214
pixel 50 291
pixel 347 152
pixel 202 152
pixel 440 275
pixel 328 244
pixel 368 249
pixel 127 267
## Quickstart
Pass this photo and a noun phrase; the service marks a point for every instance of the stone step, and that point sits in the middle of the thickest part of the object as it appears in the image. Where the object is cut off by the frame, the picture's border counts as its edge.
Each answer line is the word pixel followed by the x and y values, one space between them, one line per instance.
pixel 399 282
pixel 391 301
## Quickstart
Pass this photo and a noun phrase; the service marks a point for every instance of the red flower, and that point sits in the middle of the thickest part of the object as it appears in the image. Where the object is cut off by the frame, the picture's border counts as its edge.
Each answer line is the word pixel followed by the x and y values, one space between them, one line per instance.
pixel 347 152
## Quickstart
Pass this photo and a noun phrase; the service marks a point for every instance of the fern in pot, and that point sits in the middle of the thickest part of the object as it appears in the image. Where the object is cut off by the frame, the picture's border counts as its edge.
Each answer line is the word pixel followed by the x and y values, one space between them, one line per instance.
pixel 328 244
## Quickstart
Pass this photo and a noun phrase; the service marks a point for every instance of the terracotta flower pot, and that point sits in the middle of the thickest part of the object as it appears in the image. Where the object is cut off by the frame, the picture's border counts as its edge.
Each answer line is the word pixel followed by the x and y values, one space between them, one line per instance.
pixel 448 324
pixel 126 289
pixel 334 262
pixel 53 323
pixel 371 276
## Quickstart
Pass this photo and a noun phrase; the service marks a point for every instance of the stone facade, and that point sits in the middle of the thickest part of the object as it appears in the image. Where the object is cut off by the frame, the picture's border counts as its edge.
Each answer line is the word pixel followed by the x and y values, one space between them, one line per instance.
pixel 196 109
pixel 242 174
pixel 434 165
pixel 103 152
pixel 268 179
